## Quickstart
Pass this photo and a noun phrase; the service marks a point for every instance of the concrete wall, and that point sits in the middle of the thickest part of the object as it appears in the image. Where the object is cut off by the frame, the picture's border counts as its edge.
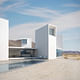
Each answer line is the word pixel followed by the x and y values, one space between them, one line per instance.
pixel 52 47
pixel 4 39
pixel 41 37
pixel 52 43
pixel 45 43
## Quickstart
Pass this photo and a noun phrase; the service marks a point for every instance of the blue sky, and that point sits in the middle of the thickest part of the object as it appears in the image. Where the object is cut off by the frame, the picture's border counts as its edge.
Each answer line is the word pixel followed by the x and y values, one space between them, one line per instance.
pixel 65 14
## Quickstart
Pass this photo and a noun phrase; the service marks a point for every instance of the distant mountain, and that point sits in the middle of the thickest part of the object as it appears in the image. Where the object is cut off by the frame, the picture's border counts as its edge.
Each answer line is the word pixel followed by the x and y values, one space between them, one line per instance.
pixel 71 52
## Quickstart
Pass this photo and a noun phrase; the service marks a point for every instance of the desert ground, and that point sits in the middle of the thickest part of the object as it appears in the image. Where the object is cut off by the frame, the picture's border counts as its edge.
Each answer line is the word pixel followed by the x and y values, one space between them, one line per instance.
pixel 71 56
pixel 57 69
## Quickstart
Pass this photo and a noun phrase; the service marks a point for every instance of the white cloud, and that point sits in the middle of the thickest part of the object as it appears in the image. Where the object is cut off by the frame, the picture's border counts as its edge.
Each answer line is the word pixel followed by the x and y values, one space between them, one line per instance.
pixel 23 7
pixel 71 5
pixel 3 1
pixel 15 6
pixel 67 21
pixel 24 30
pixel 64 22
pixel 41 12
pixel 72 38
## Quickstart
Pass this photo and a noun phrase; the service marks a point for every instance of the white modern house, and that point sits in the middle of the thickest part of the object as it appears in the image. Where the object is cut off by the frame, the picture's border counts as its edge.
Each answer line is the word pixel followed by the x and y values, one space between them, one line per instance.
pixel 46 41
pixel 18 45
pixel 25 42
pixel 4 27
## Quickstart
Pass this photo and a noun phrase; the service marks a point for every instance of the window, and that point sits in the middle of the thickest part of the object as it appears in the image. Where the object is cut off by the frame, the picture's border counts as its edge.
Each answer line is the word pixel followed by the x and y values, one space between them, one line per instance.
pixel 52 32
pixel 24 41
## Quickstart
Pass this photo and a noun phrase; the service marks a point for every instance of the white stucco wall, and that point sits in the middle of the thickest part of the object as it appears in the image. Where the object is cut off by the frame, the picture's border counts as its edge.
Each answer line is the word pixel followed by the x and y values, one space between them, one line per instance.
pixel 51 43
pixel 45 43
pixel 41 37
pixel 3 39
pixel 28 44
pixel 52 47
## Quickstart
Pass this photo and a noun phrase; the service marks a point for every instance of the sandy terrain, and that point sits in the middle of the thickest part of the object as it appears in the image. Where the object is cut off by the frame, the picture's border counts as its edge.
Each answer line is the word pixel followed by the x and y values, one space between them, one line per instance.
pixel 58 69
pixel 72 56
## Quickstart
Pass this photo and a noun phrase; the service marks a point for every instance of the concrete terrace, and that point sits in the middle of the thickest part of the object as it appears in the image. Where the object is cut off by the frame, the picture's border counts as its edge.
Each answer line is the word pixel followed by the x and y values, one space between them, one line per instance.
pixel 57 69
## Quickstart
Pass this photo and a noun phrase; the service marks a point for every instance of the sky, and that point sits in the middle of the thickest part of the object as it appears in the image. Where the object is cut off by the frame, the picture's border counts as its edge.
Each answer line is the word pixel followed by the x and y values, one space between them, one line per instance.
pixel 31 14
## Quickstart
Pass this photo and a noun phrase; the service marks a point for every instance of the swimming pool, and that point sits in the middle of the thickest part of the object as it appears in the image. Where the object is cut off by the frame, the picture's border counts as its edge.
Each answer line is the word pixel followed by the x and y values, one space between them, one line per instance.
pixel 10 66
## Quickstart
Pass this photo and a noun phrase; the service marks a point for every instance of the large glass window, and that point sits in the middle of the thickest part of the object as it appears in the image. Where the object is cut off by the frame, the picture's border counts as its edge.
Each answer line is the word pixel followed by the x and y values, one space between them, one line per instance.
pixel 24 41
pixel 59 52
pixel 52 31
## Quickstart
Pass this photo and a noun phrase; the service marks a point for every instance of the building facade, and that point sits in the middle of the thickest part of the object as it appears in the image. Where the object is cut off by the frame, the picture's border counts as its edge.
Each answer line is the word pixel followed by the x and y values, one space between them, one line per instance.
pixel 46 41
pixel 4 27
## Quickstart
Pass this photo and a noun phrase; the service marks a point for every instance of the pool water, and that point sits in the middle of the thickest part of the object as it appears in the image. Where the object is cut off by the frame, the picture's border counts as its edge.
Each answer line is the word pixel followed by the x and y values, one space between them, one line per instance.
pixel 11 66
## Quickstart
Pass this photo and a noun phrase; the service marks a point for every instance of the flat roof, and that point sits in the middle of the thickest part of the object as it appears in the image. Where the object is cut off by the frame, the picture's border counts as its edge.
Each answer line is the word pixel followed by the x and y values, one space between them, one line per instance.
pixel 21 48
